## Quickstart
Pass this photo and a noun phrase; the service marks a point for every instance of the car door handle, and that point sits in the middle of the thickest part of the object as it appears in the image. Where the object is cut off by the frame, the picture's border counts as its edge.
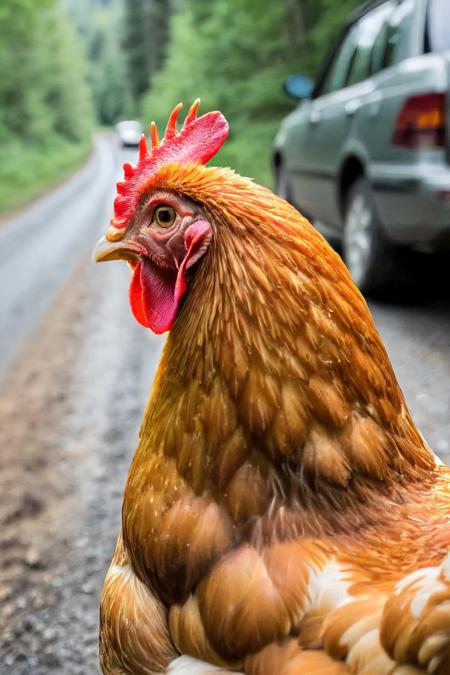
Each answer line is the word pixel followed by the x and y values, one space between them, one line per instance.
pixel 351 107
pixel 315 117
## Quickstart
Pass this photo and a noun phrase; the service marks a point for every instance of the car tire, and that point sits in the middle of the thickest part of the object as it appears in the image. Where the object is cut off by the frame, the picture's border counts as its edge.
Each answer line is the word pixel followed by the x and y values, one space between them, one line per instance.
pixel 368 255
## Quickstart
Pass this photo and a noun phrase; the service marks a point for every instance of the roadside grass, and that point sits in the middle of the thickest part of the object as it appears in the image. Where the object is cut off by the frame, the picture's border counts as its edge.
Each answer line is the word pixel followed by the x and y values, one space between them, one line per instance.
pixel 26 171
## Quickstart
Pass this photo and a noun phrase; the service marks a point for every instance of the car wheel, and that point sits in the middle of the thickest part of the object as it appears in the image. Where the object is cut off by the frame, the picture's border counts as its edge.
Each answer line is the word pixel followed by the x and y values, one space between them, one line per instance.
pixel 367 254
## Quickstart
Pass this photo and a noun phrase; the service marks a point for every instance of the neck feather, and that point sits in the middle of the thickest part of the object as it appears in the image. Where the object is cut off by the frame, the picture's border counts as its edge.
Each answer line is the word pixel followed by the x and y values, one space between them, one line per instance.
pixel 274 375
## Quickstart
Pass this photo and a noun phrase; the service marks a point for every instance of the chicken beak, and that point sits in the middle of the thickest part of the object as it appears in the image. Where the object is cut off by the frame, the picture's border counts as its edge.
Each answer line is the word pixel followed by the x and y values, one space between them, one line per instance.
pixel 106 250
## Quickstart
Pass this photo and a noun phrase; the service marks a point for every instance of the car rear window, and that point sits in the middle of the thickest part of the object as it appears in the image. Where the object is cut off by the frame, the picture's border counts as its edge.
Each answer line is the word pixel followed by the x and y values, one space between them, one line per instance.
pixel 438 25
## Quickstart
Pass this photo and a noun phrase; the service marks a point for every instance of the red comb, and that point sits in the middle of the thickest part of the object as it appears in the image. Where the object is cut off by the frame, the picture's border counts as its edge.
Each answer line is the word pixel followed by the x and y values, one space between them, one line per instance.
pixel 198 140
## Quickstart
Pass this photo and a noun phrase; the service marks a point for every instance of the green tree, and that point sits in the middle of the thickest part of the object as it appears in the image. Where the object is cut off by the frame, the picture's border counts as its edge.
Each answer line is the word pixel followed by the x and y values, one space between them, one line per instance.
pixel 144 40
pixel 43 87
pixel 45 108
pixel 100 26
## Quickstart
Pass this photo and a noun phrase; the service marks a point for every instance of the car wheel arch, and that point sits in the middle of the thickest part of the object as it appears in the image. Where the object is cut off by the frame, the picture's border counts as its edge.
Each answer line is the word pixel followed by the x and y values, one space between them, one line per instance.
pixel 277 161
pixel 352 168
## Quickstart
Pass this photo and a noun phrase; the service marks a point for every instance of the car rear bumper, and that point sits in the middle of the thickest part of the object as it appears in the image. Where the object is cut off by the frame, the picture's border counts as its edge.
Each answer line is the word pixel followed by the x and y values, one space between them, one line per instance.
pixel 414 203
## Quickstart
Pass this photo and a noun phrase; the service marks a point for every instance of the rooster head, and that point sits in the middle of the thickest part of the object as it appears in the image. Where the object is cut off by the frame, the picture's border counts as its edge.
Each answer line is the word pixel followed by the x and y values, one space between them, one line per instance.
pixel 162 234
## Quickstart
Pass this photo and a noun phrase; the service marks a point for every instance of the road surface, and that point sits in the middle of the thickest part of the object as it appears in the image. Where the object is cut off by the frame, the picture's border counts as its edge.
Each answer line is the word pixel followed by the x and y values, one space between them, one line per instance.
pixel 75 372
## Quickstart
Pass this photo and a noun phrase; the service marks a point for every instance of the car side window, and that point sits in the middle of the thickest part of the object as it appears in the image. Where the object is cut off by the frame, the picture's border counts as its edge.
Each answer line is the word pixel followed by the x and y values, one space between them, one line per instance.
pixel 380 44
pixel 399 29
pixel 338 71
pixel 370 27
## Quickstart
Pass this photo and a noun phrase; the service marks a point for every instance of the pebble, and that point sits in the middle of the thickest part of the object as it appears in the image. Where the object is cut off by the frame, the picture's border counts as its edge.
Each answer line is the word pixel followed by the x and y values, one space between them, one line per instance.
pixel 33 559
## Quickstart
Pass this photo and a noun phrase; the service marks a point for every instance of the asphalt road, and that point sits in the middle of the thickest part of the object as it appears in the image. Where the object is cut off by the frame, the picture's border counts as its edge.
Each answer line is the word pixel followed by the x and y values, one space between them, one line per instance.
pixel 75 372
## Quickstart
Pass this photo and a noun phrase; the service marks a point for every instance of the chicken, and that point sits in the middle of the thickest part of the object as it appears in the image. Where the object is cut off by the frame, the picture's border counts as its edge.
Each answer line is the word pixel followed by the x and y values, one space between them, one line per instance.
pixel 282 513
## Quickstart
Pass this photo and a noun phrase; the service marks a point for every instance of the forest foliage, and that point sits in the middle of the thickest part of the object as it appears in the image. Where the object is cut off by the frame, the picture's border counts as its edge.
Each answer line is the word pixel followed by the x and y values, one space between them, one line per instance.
pixel 45 110
pixel 101 28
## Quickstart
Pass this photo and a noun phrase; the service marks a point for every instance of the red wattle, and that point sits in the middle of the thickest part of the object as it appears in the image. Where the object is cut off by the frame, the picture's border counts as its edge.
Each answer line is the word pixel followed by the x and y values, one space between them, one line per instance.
pixel 135 294
pixel 152 296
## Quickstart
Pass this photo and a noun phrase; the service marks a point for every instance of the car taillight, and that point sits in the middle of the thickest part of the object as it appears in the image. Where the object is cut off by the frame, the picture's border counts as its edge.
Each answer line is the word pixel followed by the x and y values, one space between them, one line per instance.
pixel 421 122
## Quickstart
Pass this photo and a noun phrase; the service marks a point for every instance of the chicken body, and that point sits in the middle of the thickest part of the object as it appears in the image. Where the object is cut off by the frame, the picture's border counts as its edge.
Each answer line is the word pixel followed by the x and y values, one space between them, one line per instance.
pixel 282 514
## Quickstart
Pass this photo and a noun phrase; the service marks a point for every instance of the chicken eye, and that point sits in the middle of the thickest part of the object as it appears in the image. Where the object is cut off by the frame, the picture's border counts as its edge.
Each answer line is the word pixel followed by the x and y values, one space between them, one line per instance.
pixel 165 216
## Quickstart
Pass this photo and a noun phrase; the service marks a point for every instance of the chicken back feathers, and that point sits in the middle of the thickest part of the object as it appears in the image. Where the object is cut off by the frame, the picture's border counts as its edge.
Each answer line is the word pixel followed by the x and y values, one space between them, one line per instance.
pixel 282 513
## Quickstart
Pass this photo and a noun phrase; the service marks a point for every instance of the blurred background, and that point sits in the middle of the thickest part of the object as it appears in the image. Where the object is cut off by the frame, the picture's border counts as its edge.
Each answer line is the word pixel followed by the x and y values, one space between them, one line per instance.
pixel 71 66
pixel 359 142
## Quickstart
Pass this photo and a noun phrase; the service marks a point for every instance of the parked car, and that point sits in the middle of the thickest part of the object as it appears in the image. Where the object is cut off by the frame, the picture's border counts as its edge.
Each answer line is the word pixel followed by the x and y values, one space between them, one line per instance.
pixel 129 133
pixel 366 154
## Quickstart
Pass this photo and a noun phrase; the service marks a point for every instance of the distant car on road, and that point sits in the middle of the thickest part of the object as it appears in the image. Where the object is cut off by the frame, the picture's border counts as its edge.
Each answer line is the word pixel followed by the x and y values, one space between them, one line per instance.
pixel 129 133
pixel 366 155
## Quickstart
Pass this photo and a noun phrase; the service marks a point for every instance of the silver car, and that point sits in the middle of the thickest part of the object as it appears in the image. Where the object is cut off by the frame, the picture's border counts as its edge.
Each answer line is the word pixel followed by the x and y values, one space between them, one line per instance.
pixel 366 154
pixel 129 133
